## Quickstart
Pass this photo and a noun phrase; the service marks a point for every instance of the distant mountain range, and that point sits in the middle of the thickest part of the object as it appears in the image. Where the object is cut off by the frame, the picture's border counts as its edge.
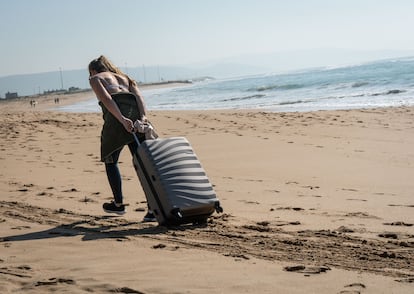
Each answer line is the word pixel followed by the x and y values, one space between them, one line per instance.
pixel 33 84
pixel 276 62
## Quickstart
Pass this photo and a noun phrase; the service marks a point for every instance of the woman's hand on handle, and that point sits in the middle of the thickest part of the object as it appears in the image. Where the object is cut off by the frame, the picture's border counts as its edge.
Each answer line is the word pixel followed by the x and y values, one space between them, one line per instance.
pixel 128 124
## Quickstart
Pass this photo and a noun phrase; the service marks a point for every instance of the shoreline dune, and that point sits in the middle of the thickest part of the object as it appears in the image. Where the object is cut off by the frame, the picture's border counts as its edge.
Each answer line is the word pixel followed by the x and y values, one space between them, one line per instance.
pixel 314 202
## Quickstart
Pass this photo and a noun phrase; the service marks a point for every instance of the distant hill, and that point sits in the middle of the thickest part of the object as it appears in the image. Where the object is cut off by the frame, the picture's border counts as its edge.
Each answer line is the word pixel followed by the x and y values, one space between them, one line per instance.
pixel 33 84
pixel 249 64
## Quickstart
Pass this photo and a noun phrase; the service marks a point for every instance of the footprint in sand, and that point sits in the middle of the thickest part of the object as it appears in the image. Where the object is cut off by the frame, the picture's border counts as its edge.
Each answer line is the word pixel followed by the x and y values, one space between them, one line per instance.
pixel 307 270
pixel 401 205
pixel 22 271
pixel 406 280
pixel 127 290
pixel 291 208
pixel 25 188
pixel 353 199
pixel 399 223
pixel 44 194
pixel 159 246
pixel 87 200
pixel 349 189
pixel 354 288
pixel 389 235
pixel 20 227
pixel 71 190
pixel 55 281
pixel 361 215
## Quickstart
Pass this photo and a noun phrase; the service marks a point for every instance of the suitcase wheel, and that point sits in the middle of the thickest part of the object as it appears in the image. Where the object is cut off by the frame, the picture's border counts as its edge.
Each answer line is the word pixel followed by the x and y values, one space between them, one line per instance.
pixel 218 208
pixel 176 212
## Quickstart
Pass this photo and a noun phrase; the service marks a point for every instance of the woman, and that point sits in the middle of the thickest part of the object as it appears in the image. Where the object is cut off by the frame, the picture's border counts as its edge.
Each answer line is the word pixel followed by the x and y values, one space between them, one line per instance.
pixel 122 104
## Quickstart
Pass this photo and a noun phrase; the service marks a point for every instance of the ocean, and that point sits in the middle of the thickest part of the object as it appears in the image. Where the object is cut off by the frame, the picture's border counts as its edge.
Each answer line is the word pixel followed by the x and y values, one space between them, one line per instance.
pixel 382 83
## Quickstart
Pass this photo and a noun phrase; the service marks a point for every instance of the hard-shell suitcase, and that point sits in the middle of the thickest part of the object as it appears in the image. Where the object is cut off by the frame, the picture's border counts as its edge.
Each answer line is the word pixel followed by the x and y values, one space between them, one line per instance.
pixel 176 186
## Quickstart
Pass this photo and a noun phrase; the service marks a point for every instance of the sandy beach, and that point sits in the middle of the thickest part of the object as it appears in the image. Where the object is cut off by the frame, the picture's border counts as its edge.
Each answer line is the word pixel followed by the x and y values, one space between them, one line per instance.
pixel 314 202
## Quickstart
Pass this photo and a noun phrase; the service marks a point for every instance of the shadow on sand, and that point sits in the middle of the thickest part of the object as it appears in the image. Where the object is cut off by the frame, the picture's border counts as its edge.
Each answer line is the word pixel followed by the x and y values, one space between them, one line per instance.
pixel 100 228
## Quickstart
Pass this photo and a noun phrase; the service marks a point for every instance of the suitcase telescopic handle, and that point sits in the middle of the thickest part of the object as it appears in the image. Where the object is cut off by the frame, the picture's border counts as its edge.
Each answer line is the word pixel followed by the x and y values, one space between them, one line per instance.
pixel 136 138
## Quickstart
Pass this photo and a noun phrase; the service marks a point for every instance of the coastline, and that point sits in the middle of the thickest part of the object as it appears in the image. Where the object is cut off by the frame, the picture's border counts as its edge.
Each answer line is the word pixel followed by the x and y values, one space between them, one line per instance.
pixel 47 101
pixel 315 202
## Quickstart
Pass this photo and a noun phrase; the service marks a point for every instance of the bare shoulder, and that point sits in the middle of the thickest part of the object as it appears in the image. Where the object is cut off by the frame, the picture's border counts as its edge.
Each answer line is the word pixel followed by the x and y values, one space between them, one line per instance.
pixel 122 80
pixel 106 78
pixel 101 75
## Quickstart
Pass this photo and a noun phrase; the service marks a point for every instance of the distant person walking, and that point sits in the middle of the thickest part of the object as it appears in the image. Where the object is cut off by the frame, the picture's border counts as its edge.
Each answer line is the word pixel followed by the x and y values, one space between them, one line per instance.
pixel 117 94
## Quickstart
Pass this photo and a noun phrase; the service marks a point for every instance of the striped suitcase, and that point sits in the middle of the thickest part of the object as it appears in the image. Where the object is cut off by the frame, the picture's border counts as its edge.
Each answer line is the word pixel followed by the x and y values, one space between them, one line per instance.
pixel 176 186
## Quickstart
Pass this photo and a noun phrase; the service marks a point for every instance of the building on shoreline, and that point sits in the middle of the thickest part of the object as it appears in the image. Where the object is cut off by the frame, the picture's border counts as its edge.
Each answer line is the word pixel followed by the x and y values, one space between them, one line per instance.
pixel 11 95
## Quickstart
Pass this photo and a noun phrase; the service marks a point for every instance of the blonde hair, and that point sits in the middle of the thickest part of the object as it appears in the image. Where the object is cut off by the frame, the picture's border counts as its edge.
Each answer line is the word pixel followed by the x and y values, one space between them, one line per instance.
pixel 102 64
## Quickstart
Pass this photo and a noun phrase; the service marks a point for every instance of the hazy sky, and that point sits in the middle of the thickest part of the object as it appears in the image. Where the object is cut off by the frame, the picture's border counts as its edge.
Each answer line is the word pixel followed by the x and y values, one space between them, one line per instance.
pixel 45 35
